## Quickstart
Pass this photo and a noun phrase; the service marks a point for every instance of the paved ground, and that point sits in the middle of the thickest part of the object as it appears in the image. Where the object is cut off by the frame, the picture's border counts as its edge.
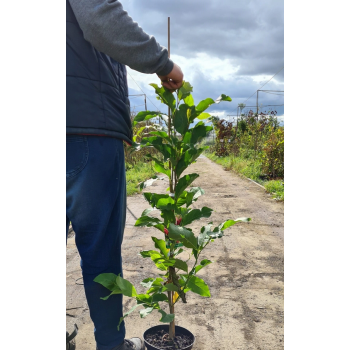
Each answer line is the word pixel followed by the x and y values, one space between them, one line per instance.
pixel 245 311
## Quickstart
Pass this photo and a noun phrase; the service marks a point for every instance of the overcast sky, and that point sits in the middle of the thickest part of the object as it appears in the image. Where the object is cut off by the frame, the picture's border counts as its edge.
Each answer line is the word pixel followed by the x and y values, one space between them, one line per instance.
pixel 231 47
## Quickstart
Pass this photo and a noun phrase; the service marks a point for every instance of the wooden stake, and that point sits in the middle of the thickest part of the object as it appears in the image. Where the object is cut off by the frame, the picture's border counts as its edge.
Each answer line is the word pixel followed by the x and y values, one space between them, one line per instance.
pixel 170 294
pixel 169 120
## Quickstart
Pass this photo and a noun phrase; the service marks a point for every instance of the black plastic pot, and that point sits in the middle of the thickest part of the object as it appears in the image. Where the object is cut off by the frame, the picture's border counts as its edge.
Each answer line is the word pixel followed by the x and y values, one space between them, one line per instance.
pixel 165 327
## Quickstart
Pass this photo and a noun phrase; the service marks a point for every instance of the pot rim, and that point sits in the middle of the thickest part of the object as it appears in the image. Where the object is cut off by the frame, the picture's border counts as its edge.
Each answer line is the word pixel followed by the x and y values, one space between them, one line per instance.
pixel 165 325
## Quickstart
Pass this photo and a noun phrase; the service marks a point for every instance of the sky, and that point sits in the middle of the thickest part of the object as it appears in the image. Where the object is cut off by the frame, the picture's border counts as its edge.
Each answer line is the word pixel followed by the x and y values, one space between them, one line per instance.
pixel 223 47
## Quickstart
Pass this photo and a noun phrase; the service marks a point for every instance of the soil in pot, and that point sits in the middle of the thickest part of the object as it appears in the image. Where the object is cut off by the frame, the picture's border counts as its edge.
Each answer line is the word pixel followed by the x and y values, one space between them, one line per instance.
pixel 157 338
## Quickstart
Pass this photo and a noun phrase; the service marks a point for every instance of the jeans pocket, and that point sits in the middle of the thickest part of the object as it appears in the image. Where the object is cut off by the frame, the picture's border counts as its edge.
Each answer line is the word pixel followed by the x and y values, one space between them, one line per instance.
pixel 77 154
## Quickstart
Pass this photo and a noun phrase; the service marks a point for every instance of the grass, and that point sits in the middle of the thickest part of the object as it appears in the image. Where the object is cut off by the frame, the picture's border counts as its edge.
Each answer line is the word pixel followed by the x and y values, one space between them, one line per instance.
pixel 276 188
pixel 136 174
pixel 252 169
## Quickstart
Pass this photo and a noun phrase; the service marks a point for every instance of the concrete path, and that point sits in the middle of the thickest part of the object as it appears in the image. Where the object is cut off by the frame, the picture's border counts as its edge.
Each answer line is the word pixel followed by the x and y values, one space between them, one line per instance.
pixel 245 311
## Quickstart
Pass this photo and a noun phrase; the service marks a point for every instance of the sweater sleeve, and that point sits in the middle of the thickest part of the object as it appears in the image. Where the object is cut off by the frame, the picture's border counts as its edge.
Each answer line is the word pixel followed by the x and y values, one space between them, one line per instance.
pixel 112 31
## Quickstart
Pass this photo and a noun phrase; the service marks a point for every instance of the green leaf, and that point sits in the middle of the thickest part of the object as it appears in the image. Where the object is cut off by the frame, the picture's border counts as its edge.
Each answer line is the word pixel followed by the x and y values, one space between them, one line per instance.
pixel 143 116
pixel 126 287
pixel 183 235
pixel 187 137
pixel 198 132
pixel 182 199
pixel 147 211
pixel 203 105
pixel 149 282
pixel 181 120
pixel 182 265
pixel 207 234
pixel 160 201
pixel 157 256
pixel 108 280
pixel 183 279
pixel 165 96
pixel 193 194
pixel 193 215
pixel 149 253
pixel 185 90
pixel 203 116
pixel 170 287
pixel 198 191
pixel 167 262
pixel 165 150
pixel 198 286
pixel 154 290
pixel 161 245
pixel 157 142
pixel 225 225
pixel 151 141
pixel 183 163
pixel 161 266
pixel 148 197
pixel 182 211
pixel 223 97
pixel 144 299
pixel 216 235
pixel 187 158
pixel 192 114
pixel 204 235
pixel 168 216
pixel 147 221
pixel 161 134
pixel 138 133
pixel 206 212
pixel 166 318
pixel 189 100
pixel 145 312
pixel 229 223
pixel 196 214
pixel 158 282
pixel 183 183
pixel 159 297
pixel 204 263
pixel 178 252
pixel 165 202
pixel 159 167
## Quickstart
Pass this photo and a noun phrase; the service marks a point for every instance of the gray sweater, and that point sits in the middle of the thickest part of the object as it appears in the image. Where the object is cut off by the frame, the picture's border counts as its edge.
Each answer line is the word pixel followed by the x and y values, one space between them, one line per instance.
pixel 112 31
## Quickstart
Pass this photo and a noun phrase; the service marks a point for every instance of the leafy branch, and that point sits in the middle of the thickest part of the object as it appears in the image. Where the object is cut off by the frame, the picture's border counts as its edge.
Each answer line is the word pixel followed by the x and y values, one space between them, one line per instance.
pixel 178 145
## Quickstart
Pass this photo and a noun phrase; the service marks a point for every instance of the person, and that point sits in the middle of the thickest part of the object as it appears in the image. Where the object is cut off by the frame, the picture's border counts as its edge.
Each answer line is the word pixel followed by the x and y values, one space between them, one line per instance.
pixel 101 40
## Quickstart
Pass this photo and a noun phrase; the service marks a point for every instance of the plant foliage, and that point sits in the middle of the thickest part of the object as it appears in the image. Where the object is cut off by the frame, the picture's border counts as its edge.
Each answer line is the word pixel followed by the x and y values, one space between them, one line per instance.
pixel 179 146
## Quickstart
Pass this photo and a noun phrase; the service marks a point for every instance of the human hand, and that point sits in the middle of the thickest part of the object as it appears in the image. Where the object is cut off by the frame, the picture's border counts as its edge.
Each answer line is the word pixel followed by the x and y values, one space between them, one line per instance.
pixel 173 80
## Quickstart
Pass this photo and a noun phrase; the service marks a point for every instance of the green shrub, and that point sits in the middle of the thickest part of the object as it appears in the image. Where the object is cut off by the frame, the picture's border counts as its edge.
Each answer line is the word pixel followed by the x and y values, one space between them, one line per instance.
pixel 272 157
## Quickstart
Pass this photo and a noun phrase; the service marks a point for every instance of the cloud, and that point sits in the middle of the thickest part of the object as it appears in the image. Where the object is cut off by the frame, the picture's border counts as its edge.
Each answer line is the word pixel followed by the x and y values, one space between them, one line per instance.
pixel 250 33
pixel 221 46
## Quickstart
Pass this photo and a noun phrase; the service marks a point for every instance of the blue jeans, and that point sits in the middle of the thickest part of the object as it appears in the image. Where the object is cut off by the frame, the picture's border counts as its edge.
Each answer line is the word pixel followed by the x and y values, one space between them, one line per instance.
pixel 96 206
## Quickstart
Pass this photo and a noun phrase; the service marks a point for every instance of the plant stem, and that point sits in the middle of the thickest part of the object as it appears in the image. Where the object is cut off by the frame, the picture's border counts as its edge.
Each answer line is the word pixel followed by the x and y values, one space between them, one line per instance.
pixel 172 323
pixel 191 273
pixel 171 279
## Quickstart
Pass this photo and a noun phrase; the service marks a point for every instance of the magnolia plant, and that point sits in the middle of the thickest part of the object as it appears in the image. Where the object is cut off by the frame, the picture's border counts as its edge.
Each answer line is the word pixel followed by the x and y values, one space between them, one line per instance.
pixel 178 145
